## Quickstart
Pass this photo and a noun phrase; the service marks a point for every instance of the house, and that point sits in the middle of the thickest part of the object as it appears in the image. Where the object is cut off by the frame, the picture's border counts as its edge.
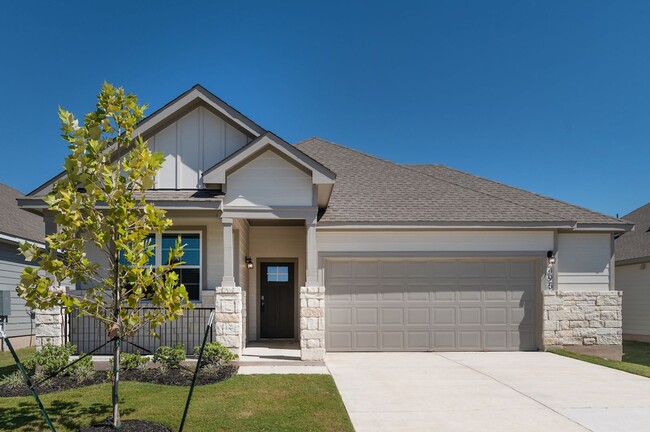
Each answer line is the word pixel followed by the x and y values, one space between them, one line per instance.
pixel 633 275
pixel 16 226
pixel 343 251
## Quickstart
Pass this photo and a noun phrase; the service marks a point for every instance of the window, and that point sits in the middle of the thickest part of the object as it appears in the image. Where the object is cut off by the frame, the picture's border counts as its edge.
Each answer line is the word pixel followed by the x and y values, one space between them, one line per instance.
pixel 189 273
pixel 277 274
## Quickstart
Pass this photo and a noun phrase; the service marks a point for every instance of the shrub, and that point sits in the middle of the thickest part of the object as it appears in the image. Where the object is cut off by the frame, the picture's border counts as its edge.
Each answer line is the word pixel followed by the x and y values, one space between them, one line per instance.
pixel 13 380
pixel 170 357
pixel 214 353
pixel 133 361
pixel 51 358
pixel 84 369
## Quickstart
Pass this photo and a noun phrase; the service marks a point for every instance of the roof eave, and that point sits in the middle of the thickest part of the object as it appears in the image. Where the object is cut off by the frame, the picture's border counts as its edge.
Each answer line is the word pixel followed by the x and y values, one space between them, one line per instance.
pixel 630 261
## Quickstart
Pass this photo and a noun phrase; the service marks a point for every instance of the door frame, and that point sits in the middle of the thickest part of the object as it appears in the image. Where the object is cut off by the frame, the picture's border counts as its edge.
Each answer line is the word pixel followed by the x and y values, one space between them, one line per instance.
pixel 296 297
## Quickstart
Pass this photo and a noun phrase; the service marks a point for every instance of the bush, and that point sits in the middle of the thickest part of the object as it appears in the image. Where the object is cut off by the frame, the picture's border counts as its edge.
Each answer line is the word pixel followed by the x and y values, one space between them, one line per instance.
pixel 51 358
pixel 84 369
pixel 170 357
pixel 133 361
pixel 214 353
pixel 13 380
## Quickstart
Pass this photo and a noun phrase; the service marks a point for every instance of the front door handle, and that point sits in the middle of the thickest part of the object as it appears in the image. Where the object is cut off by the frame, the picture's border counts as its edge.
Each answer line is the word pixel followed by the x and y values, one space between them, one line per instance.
pixel 262 303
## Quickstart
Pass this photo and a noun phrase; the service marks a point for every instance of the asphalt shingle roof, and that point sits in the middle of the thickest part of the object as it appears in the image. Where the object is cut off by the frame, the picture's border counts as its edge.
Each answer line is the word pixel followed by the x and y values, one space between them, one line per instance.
pixel 369 189
pixel 17 222
pixel 635 245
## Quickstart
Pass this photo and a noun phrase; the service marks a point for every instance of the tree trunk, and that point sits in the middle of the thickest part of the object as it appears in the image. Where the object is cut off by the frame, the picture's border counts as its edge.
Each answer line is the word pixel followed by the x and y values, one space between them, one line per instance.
pixel 117 423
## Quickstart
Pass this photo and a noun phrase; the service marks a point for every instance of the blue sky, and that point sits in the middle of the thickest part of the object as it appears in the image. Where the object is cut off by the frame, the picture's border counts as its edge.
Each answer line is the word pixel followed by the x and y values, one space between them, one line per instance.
pixel 553 96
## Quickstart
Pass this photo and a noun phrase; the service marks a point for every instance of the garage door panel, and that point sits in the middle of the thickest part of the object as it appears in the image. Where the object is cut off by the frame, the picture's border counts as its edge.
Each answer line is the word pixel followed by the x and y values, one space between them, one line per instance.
pixel 391 293
pixel 340 316
pixel 366 340
pixel 366 316
pixel 392 341
pixel 495 294
pixel 418 316
pixel 339 341
pixel 496 316
pixel 392 316
pixel 418 340
pixel 469 294
pixel 496 340
pixel 444 316
pixel 430 304
pixel 496 270
pixel 418 293
pixel 469 340
pixel 444 340
pixel 366 269
pixel 418 270
pixel 444 294
pixel 469 316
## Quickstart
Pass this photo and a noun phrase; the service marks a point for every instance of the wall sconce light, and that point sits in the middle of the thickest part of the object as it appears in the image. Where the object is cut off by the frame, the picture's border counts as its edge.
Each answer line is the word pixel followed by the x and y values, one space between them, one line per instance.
pixel 249 262
pixel 550 256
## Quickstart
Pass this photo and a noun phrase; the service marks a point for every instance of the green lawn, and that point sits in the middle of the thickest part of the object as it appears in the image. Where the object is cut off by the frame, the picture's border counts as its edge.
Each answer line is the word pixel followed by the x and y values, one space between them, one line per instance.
pixel 242 403
pixel 636 358
pixel 7 364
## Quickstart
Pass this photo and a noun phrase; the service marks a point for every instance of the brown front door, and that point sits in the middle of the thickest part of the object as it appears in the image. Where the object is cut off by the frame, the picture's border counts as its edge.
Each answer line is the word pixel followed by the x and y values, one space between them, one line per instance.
pixel 276 300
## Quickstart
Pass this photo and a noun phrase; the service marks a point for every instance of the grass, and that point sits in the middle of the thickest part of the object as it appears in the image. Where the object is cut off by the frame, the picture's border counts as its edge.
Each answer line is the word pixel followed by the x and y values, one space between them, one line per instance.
pixel 242 403
pixel 636 358
pixel 7 364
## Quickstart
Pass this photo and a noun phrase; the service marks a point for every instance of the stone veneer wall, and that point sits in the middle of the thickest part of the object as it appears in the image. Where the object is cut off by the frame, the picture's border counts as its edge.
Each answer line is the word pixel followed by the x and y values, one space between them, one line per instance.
pixel 312 323
pixel 229 318
pixel 49 327
pixel 589 322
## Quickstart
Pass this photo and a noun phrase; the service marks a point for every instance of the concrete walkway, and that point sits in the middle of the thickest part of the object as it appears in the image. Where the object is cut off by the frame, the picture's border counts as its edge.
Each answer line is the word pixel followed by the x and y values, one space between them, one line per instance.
pixel 277 357
pixel 487 392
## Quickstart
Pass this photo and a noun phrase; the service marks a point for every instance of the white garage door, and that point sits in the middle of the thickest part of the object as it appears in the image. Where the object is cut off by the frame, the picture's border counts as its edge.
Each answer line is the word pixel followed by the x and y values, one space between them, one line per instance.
pixel 408 304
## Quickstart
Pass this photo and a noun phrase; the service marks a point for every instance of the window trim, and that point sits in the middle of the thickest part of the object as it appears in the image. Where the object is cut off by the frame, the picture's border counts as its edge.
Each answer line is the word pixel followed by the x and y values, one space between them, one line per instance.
pixel 180 231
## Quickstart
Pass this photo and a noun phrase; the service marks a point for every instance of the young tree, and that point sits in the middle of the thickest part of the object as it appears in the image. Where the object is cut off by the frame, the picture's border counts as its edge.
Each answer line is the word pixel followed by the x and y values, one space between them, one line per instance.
pixel 101 201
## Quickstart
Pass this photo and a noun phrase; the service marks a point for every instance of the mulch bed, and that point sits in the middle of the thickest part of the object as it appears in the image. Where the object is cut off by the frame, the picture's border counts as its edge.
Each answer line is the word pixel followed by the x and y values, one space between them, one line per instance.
pixel 128 426
pixel 177 377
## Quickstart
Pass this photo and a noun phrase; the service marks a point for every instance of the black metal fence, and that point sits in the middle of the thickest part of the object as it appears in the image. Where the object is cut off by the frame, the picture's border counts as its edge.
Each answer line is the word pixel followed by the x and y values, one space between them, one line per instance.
pixel 87 333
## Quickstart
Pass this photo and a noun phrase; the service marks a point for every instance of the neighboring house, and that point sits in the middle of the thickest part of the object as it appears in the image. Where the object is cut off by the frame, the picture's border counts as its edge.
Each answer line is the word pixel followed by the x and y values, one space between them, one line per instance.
pixel 633 275
pixel 347 252
pixel 16 226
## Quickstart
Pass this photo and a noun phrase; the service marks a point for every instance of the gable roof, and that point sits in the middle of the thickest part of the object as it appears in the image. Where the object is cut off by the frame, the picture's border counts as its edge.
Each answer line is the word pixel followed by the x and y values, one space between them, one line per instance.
pixel 15 222
pixel 176 108
pixel 217 173
pixel 634 246
pixel 371 190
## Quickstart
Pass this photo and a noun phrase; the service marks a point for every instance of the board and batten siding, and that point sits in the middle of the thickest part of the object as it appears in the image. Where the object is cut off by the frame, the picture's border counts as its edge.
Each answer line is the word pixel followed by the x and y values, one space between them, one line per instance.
pixel 191 145
pixel 634 281
pixel 11 266
pixel 434 241
pixel 269 180
pixel 583 262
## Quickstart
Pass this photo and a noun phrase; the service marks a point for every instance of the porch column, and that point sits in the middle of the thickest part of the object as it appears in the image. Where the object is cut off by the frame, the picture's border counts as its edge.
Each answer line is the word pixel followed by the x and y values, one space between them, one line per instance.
pixel 228 298
pixel 49 325
pixel 228 279
pixel 312 304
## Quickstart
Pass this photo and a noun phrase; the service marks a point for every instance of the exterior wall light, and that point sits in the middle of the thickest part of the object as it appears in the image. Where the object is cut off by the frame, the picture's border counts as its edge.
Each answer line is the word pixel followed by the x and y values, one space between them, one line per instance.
pixel 249 262
pixel 550 256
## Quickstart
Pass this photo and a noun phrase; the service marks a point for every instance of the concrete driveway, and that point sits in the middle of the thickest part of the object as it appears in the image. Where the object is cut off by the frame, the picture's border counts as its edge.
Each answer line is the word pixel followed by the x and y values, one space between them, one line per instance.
pixel 518 391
